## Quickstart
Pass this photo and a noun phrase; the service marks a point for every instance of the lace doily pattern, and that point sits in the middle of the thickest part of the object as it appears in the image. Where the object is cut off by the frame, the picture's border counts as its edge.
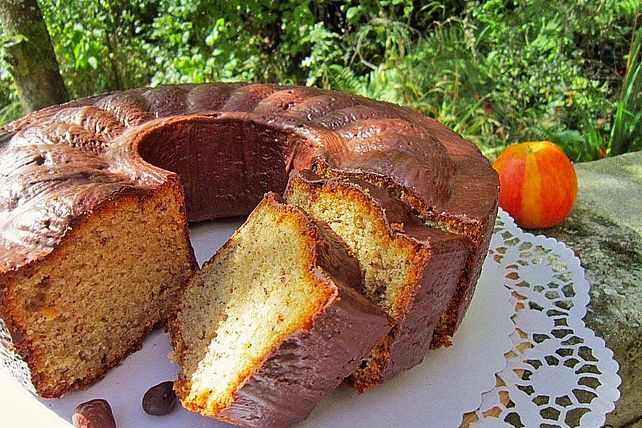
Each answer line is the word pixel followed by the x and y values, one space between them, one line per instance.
pixel 558 373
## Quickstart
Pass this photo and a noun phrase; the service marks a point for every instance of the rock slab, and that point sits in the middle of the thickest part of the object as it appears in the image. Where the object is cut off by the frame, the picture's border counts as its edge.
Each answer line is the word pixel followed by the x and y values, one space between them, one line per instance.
pixel 605 231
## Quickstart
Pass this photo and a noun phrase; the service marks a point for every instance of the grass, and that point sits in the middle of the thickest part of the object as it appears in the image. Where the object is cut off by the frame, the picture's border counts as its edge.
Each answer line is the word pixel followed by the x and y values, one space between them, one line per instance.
pixel 626 134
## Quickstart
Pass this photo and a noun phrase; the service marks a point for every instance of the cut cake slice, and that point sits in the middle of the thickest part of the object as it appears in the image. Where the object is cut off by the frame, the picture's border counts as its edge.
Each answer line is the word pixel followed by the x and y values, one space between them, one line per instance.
pixel 273 322
pixel 411 271
pixel 116 274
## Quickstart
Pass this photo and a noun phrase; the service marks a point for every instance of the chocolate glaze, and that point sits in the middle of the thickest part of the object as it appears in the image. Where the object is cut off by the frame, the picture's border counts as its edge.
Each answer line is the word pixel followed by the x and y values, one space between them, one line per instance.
pixel 309 364
pixel 130 131
pixel 59 164
pixel 443 256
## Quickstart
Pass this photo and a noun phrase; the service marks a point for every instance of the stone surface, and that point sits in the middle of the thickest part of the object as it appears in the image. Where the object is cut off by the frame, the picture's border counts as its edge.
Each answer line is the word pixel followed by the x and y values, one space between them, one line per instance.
pixel 605 231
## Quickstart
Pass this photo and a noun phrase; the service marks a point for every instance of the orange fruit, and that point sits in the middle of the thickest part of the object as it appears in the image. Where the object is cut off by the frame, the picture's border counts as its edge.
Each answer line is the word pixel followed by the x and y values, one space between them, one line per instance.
pixel 537 184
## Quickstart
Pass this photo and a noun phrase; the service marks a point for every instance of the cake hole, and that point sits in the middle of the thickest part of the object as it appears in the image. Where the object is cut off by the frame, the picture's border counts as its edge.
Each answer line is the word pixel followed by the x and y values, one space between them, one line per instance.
pixel 225 164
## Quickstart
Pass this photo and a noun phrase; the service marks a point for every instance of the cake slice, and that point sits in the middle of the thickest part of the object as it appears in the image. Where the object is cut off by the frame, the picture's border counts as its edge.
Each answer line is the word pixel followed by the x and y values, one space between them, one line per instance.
pixel 115 275
pixel 411 271
pixel 273 322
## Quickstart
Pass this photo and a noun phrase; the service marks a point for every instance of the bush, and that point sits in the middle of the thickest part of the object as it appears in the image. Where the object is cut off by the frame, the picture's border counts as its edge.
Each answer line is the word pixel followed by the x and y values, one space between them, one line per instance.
pixel 497 71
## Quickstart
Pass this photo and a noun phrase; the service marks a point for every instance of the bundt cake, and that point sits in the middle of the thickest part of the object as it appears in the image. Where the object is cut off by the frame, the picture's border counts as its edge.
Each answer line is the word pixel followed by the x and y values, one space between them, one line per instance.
pixel 95 195
pixel 273 322
pixel 410 270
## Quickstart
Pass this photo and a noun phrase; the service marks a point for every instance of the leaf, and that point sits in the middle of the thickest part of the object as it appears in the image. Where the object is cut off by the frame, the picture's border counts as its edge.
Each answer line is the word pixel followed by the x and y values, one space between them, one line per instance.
pixel 353 14
pixel 14 40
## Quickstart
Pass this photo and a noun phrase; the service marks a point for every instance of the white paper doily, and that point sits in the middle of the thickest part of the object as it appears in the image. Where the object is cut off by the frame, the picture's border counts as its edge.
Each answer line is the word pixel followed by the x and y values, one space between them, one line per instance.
pixel 436 393
pixel 558 373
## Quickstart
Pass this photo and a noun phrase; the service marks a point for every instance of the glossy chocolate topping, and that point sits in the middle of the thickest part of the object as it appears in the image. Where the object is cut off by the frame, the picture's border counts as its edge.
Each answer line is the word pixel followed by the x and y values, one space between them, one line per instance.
pixel 228 143
pixel 441 259
pixel 309 364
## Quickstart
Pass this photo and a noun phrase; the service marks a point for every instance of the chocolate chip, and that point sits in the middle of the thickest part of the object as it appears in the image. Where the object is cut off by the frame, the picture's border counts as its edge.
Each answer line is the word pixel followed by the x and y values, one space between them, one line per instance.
pixel 160 400
pixel 94 414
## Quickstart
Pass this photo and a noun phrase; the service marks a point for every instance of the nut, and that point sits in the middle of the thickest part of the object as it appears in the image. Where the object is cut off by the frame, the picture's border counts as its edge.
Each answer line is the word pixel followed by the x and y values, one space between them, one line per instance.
pixel 159 400
pixel 94 414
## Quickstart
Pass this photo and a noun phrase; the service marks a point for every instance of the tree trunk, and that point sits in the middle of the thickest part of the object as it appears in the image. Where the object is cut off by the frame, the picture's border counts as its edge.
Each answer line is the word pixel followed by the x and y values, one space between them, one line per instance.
pixel 30 55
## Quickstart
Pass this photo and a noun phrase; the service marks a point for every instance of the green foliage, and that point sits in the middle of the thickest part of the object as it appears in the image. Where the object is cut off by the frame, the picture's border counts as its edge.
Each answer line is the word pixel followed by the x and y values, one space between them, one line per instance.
pixel 497 71
pixel 501 74
pixel 10 108
pixel 626 134
pixel 96 43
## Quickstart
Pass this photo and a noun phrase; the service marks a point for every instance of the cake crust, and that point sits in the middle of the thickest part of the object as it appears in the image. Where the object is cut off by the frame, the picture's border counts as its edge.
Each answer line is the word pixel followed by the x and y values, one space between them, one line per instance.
pixel 222 146
pixel 18 353
pixel 440 174
pixel 307 364
pixel 436 259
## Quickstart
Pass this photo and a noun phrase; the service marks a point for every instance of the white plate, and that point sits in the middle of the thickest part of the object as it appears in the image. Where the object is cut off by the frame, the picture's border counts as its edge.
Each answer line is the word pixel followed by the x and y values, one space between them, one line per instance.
pixel 436 393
